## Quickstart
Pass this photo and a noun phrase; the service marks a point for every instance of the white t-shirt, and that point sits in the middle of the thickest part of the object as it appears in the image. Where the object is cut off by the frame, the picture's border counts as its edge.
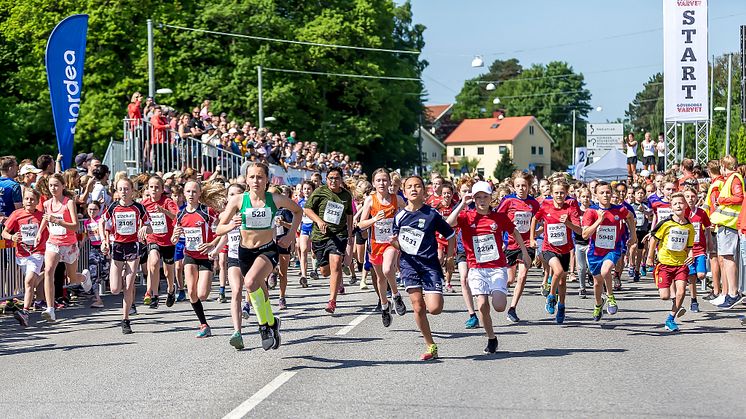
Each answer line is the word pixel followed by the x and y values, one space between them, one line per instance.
pixel 100 194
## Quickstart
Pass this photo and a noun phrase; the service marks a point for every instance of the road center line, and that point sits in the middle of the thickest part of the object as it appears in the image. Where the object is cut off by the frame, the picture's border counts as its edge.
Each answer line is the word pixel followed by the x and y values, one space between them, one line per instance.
pixel 259 396
pixel 356 321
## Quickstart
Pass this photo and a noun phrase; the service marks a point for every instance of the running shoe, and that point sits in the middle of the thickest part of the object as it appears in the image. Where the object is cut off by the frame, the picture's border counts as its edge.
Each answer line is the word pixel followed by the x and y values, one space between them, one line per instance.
pixel 236 340
pixel 133 310
pixel 472 322
pixel 720 299
pixel 353 278
pixel 39 305
pixel 282 304
pixel 303 282
pixel 551 302
pixel 126 328
pixel 680 313
pixel 170 298
pixel 512 315
pixel 399 306
pixel 272 281
pixel 730 301
pixel 346 270
pixel 181 296
pixel 694 307
pixel 146 299
pixel 86 284
pixel 386 318
pixel 711 296
pixel 22 317
pixel 491 346
pixel 583 293
pixel 246 310
pixel 671 325
pixel 341 290
pixel 297 264
pixel 636 277
pixel 364 285
pixel 643 270
pixel 204 331
pixel 268 337
pixel 432 353
pixel 560 313
pixel 617 286
pixel 545 290
pixel 598 311
pixel 331 306
pixel 631 272
pixel 154 302
pixel 49 315
pixel 221 298
pixel 450 289
pixel 612 308
pixel 276 332
pixel 378 306
pixel 314 275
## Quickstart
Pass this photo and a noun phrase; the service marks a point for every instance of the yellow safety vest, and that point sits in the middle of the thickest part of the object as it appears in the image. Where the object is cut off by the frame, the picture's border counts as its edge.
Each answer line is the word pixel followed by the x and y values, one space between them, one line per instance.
pixel 727 215
pixel 708 199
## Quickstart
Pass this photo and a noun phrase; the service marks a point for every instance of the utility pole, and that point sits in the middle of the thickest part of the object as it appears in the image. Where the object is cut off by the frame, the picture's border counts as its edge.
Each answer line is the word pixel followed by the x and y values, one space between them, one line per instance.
pixel 151 63
pixel 727 122
pixel 261 98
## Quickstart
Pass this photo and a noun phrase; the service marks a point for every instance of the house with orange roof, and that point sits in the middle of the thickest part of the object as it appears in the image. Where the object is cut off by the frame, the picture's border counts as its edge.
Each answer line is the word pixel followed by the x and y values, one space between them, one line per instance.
pixel 487 139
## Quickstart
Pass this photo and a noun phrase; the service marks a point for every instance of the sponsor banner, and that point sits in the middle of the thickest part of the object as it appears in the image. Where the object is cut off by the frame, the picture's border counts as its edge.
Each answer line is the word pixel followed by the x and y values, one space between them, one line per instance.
pixel 64 61
pixel 685 65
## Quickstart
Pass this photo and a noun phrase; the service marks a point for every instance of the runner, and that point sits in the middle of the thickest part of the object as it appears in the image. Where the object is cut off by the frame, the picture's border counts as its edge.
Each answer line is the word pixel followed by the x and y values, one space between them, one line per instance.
pixel 177 194
pixel 99 264
pixel 254 212
pixel 22 228
pixel 61 218
pixel 673 238
pixel 520 207
pixel 444 208
pixel 701 224
pixel 162 211
pixel 378 214
pixel 332 230
pixel 585 278
pixel 464 188
pixel 196 223
pixel 601 225
pixel 283 221
pixel 643 216
pixel 304 241
pixel 560 218
pixel 130 224
pixel 482 230
pixel 413 233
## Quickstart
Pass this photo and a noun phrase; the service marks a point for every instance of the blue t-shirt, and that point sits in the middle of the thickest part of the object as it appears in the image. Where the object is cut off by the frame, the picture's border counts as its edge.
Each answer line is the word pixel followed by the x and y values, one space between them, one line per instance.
pixel 416 235
pixel 10 194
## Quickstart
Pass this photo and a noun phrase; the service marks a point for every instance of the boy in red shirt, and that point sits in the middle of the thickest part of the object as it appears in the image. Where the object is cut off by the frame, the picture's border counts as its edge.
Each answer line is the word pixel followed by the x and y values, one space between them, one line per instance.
pixel 701 222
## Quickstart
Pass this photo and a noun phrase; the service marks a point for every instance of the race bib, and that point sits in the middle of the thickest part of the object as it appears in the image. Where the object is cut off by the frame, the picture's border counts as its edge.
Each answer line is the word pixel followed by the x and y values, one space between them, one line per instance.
pixel 557 234
pixel 522 221
pixel 383 229
pixel 639 218
pixel 28 233
pixel 93 231
pixel 257 218
pixel 663 213
pixel 697 227
pixel 677 238
pixel 410 240
pixel 193 238
pixel 280 230
pixel 606 237
pixel 306 220
pixel 333 212
pixel 234 239
pixel 126 223
pixel 485 248
pixel 56 229
pixel 158 223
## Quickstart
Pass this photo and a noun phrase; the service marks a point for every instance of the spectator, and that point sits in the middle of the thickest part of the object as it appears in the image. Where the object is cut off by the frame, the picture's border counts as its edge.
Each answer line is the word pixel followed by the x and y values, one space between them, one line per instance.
pixel 204 113
pixel 159 136
pixel 210 143
pixel 82 161
pixel 45 163
pixel 133 109
pixel 149 108
pixel 100 192
pixel 27 175
pixel 10 190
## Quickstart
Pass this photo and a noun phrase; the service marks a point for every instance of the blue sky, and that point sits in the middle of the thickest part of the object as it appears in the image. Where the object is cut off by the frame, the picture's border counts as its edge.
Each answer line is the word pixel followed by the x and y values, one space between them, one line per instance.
pixel 617 45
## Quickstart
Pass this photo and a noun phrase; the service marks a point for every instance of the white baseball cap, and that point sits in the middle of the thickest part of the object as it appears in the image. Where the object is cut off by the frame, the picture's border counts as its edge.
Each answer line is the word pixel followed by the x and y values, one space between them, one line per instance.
pixel 481 186
pixel 28 168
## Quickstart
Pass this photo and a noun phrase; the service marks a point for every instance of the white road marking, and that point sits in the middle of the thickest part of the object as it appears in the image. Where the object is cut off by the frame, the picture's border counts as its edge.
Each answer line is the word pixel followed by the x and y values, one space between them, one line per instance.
pixel 259 396
pixel 356 321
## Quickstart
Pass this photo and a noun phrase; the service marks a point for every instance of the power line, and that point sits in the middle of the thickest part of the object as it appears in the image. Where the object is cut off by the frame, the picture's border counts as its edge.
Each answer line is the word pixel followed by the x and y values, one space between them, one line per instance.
pixel 321 73
pixel 562 76
pixel 542 94
pixel 288 41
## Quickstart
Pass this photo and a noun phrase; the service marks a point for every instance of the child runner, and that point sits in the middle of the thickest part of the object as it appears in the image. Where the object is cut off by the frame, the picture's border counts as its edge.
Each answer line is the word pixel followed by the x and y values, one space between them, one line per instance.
pixel 464 188
pixel 482 231
pixel 560 218
pixel 585 279
pixel 701 223
pixel 283 222
pixel 520 208
pixel 130 224
pixel 98 263
pixel 304 241
pixel 601 225
pixel 22 227
pixel 444 208
pixel 162 211
pixel 413 232
pixel 643 216
pixel 673 237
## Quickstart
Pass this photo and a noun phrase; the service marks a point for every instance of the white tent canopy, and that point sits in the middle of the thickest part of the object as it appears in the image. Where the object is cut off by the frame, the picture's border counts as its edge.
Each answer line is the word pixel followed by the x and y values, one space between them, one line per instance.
pixel 611 166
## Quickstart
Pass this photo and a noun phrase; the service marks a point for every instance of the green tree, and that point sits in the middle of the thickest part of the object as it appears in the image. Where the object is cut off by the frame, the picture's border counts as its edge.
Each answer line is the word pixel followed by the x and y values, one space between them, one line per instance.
pixel 645 113
pixel 505 167
pixel 473 96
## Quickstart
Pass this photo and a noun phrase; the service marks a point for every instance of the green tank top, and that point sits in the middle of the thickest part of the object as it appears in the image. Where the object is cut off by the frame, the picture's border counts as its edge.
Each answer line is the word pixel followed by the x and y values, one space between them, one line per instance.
pixel 257 218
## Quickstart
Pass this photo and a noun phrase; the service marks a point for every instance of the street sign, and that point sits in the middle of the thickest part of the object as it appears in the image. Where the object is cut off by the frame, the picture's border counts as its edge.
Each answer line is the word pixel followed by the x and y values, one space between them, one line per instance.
pixel 601 138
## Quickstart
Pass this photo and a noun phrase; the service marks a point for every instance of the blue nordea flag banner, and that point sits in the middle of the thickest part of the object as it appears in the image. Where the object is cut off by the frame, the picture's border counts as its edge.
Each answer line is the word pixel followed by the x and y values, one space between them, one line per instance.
pixel 64 60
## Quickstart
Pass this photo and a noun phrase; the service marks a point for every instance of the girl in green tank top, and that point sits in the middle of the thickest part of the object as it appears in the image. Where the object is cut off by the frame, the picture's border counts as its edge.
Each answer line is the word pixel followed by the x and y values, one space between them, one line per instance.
pixel 260 218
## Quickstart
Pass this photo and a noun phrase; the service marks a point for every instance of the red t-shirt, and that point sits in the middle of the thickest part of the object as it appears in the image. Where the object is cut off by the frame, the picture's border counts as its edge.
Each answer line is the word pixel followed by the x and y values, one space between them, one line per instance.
pixel 126 221
pixel 163 227
pixel 445 211
pixel 700 221
pixel 608 236
pixel 520 212
pixel 662 211
pixel 199 228
pixel 28 224
pixel 482 236
pixel 557 235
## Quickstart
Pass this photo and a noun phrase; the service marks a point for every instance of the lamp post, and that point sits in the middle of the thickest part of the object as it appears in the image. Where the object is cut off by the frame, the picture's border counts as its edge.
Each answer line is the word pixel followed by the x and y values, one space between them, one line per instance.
pixel 727 107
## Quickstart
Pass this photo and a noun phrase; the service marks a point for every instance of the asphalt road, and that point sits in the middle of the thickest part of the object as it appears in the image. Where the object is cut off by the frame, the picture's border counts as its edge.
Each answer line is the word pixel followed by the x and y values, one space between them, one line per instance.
pixel 349 365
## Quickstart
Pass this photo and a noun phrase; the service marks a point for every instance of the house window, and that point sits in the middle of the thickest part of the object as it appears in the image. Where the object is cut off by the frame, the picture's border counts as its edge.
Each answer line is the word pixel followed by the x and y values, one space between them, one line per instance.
pixel 531 129
pixel 533 150
pixel 541 151
pixel 457 151
pixel 480 150
pixel 435 154
pixel 503 149
pixel 480 171
pixel 424 156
